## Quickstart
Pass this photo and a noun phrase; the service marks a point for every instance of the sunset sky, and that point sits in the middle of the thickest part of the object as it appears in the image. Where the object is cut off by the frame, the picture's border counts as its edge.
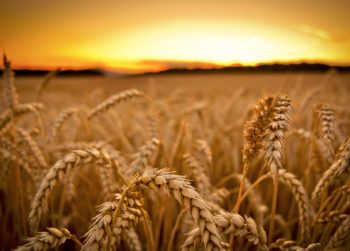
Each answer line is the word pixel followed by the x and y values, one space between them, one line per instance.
pixel 144 35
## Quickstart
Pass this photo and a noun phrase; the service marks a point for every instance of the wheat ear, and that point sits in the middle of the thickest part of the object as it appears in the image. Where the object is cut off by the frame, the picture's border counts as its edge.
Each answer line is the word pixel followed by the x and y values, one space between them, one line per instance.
pixel 203 151
pixel 334 216
pixel 274 147
pixel 326 123
pixel 60 120
pixel 340 236
pixel 242 226
pixel 143 157
pixel 289 245
pixel 50 239
pixel 254 131
pixel 339 167
pixel 306 212
pixel 187 196
pixel 228 223
pixel 33 146
pixel 57 173
pixel 51 75
pixel 9 91
pixel 132 240
pixel 198 175
pixel 8 116
pixel 114 100
pixel 104 231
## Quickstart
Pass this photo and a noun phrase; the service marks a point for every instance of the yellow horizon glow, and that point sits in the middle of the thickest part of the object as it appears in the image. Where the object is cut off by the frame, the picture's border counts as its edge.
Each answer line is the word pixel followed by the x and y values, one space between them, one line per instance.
pixel 216 43
pixel 193 44
pixel 154 35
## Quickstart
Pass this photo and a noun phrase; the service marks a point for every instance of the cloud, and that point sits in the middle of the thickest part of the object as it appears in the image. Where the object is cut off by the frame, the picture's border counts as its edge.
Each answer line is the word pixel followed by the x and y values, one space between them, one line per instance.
pixel 323 34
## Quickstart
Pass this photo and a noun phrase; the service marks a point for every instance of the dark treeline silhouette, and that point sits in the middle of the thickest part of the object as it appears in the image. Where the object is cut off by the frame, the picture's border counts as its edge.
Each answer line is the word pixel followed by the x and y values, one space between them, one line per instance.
pixel 67 73
pixel 262 68
pixel 268 68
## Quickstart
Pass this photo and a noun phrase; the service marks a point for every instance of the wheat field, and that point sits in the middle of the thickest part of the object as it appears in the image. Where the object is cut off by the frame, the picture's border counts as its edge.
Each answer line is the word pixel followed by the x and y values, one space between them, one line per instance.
pixel 190 162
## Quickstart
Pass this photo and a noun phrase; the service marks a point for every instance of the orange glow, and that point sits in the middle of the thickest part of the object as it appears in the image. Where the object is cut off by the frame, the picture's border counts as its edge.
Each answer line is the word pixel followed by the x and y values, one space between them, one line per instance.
pixel 219 44
pixel 133 41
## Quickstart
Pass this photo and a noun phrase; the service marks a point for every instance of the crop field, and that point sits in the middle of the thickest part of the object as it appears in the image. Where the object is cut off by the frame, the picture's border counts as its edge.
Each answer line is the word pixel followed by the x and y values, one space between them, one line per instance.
pixel 168 162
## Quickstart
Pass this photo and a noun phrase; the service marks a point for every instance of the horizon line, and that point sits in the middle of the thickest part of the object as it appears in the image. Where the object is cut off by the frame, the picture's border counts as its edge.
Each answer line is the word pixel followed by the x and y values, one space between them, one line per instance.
pixel 165 65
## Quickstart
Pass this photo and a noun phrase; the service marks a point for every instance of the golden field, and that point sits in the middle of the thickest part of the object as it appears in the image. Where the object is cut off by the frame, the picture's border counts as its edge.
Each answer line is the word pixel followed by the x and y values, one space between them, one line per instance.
pixel 159 163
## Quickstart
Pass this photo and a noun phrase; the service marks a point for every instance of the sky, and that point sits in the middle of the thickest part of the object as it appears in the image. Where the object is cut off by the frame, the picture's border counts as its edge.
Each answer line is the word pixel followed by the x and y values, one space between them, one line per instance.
pixel 151 35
